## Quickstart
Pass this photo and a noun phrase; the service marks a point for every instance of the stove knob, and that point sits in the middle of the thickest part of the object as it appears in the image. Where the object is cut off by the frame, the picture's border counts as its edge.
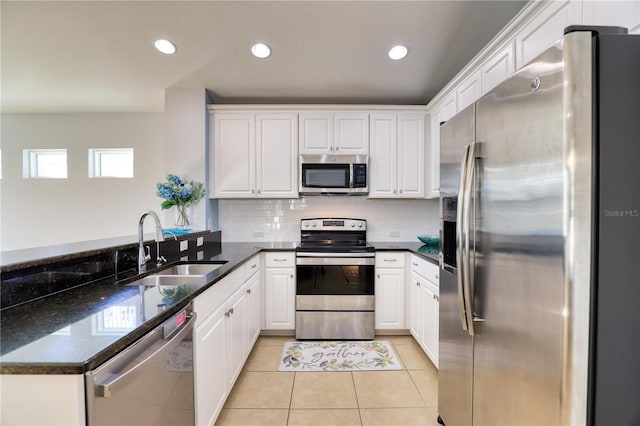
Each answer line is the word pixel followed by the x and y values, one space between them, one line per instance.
pixel 360 225
pixel 314 224
pixel 353 224
pixel 306 225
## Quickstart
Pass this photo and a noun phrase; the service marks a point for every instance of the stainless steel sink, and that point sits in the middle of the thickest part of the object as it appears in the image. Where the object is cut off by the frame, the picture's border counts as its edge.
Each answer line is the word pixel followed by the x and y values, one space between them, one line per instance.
pixel 160 280
pixel 189 270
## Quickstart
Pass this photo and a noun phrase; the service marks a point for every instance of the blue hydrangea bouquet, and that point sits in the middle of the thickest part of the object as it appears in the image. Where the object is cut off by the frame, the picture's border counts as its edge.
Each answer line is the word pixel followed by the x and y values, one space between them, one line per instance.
pixel 181 194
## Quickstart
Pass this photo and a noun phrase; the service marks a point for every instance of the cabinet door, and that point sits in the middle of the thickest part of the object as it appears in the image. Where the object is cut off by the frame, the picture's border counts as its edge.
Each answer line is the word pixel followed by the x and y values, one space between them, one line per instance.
pixel 280 299
pixel 254 310
pixel 236 339
pixel 498 67
pixel 351 133
pixel 469 91
pixel 210 367
pixel 433 161
pixel 277 155
pixel 233 155
pixel 430 322
pixel 316 133
pixel 416 313
pixel 546 29
pixel 411 156
pixel 383 156
pixel 389 298
pixel 449 107
pixel 619 13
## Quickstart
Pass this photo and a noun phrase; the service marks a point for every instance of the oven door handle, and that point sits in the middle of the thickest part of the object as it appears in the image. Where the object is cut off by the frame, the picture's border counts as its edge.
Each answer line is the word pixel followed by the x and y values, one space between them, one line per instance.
pixel 331 254
pixel 338 261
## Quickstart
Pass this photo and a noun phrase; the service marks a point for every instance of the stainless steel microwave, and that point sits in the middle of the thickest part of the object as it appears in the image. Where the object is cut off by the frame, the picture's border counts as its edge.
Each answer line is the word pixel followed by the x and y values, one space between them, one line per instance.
pixel 334 175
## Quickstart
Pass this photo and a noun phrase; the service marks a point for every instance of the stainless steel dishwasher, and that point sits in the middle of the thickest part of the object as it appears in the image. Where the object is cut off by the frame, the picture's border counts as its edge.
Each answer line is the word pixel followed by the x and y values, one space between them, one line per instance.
pixel 150 382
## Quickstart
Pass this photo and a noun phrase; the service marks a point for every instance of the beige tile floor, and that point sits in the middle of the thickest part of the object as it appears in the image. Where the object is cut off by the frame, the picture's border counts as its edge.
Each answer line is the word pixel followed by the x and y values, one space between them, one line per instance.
pixel 264 396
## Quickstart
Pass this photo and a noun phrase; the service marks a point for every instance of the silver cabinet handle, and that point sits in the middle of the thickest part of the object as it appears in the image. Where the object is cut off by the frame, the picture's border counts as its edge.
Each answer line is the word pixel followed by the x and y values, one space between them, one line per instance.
pixel 249 291
pixel 394 191
pixel 107 388
pixel 279 260
pixel 291 275
pixel 400 191
pixel 231 311
pixel 390 260
pixel 254 266
pixel 337 148
pixel 253 191
pixel 258 191
pixel 227 314
pixel 378 275
pixel 414 264
pixel 417 284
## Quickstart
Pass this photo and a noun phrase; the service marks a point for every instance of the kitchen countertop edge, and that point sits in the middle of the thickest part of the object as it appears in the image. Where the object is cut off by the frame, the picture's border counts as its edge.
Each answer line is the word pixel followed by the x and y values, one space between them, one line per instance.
pixel 236 254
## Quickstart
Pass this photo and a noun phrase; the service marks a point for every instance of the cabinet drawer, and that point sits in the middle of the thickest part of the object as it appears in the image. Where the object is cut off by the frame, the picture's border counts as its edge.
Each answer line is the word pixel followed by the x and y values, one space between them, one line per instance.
pixel 206 303
pixel 390 260
pixel 416 264
pixel 279 259
pixel 431 272
pixel 251 266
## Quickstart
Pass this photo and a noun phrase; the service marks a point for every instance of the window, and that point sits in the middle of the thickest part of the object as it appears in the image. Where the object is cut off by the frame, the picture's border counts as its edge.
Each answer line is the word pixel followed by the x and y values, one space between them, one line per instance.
pixel 44 163
pixel 111 162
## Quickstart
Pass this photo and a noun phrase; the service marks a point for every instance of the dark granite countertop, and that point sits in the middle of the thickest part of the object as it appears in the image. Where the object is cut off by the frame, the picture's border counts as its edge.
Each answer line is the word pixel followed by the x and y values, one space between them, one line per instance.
pixel 74 331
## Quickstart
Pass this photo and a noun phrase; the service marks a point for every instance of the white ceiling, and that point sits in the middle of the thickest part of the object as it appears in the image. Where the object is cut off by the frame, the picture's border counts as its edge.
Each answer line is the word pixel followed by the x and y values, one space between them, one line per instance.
pixel 88 56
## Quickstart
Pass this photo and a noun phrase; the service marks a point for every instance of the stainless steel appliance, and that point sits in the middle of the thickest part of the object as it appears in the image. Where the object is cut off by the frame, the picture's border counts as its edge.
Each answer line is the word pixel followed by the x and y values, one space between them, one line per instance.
pixel 150 382
pixel 333 174
pixel 540 272
pixel 335 280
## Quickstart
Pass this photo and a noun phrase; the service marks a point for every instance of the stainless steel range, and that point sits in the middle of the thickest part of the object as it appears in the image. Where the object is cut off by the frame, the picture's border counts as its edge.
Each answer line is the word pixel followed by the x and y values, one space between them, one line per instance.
pixel 335 280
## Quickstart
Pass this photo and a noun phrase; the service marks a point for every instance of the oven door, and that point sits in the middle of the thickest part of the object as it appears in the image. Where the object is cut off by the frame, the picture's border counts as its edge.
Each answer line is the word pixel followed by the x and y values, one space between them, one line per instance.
pixel 334 276
pixel 335 296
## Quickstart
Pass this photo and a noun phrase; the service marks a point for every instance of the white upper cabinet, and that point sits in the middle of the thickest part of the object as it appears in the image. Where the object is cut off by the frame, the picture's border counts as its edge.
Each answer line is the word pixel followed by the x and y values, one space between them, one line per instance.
pixel 411 155
pixel 334 133
pixel 277 155
pixel 254 155
pixel 498 67
pixel 433 172
pixel 469 91
pixel 397 155
pixel 316 133
pixel 234 153
pixel 449 106
pixel 624 14
pixel 545 29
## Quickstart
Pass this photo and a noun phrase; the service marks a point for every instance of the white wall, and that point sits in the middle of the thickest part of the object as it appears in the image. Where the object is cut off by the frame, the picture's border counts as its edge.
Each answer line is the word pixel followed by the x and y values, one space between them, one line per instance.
pixel 39 212
pixel 279 220
pixel 186 148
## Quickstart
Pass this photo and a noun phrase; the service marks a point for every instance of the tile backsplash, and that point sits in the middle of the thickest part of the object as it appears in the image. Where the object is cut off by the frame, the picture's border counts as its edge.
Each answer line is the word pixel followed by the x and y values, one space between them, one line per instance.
pixel 279 220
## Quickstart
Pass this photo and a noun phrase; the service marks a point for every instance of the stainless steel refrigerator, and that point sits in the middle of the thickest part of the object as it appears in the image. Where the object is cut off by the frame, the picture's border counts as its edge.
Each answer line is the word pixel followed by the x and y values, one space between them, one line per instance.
pixel 540 260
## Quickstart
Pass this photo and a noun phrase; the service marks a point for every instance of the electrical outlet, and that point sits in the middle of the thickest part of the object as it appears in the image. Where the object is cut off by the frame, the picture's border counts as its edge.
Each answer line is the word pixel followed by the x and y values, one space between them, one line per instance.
pixel 200 241
pixel 394 233
pixel 258 233
pixel 184 245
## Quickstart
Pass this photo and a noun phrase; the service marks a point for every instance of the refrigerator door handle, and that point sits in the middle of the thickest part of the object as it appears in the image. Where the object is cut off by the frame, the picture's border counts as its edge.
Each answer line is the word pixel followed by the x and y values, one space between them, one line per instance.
pixel 461 236
pixel 466 226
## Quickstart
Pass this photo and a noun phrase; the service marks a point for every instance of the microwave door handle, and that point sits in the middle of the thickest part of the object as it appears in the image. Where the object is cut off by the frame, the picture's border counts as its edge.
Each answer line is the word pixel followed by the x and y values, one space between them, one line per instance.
pixel 460 237
pixel 467 270
pixel 105 389
pixel 350 175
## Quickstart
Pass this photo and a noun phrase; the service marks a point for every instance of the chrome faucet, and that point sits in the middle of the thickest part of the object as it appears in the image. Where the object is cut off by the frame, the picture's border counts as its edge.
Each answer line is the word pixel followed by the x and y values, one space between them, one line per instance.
pixel 143 256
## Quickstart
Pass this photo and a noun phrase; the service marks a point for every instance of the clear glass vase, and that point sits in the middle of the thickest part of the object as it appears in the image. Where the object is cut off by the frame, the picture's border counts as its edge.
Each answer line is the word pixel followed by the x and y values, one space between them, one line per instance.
pixel 182 216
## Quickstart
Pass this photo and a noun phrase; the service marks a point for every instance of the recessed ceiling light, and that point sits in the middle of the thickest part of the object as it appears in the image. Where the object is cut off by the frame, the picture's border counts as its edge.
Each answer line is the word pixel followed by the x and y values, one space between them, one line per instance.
pixel 398 52
pixel 261 50
pixel 165 46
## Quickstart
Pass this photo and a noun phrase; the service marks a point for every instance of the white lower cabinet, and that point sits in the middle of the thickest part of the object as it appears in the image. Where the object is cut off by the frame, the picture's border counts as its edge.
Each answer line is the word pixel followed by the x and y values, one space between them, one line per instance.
pixel 228 325
pixel 280 291
pixel 210 367
pixel 390 291
pixel 425 306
